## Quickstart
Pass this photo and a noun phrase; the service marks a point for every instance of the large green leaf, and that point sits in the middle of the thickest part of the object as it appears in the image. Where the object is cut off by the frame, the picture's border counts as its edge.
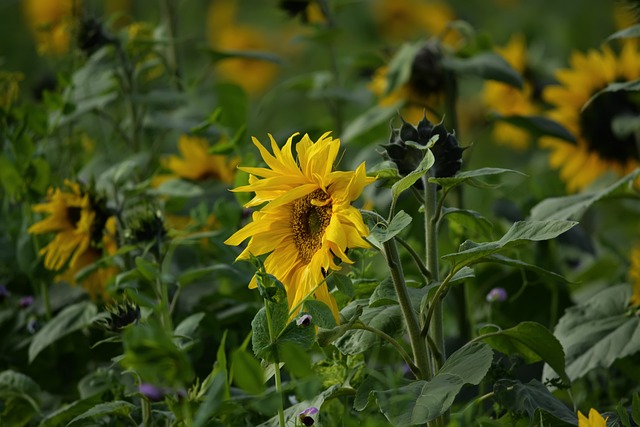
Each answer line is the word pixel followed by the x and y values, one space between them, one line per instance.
pixel 118 408
pixel 400 221
pixel 598 332
pixel 487 65
pixel 63 415
pixel 386 318
pixel 531 340
pixel 629 32
pixel 575 205
pixel 519 233
pixel 407 181
pixel 469 219
pixel 291 413
pixel 17 385
pixel 532 398
pixel 71 319
pixel 423 401
pixel 212 401
pixel 369 119
pixel 545 274
pixel 538 126
pixel 247 372
pixel 471 178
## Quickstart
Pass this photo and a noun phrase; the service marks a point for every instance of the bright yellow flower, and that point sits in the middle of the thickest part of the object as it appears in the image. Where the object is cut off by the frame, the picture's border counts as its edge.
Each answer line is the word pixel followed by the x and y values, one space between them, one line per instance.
pixel 307 223
pixel 634 275
pixel 507 100
pixel 594 420
pixel 50 22
pixel 196 163
pixel 82 233
pixel 227 35
pixel 598 149
pixel 403 20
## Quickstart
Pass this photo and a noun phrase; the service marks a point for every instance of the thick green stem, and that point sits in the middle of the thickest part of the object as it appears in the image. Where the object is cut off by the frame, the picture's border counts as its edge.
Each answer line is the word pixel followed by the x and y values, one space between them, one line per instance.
pixel 44 294
pixel 171 23
pixel 418 345
pixel 272 338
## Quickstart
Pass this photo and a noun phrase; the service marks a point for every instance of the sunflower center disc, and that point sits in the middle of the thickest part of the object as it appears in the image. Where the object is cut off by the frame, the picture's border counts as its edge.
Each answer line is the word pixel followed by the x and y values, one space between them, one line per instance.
pixel 308 223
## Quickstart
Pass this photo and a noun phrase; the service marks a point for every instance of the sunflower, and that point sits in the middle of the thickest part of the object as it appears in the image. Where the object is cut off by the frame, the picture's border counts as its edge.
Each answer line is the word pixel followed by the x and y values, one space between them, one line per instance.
pixel 83 231
pixel 634 275
pixel 594 420
pixel 225 34
pixel 599 147
pixel 308 222
pixel 196 164
pixel 51 21
pixel 507 100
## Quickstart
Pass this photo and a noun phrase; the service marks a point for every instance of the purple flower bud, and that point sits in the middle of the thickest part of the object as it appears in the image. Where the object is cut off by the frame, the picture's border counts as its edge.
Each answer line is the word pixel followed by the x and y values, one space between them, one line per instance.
pixel 497 295
pixel 26 302
pixel 151 392
pixel 4 293
pixel 306 416
pixel 304 320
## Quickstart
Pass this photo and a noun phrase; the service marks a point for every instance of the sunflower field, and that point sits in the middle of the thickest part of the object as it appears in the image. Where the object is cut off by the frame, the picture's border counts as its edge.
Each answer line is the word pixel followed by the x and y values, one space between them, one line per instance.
pixel 287 213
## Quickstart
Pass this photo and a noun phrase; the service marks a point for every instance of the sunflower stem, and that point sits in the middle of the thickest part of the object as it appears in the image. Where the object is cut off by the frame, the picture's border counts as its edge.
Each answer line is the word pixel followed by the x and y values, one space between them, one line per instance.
pixel 418 345
pixel 171 22
pixel 44 293
pixel 272 339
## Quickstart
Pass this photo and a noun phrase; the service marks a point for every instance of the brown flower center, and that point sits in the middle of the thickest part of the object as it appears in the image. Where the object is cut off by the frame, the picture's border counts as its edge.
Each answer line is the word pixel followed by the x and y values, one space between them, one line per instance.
pixel 310 216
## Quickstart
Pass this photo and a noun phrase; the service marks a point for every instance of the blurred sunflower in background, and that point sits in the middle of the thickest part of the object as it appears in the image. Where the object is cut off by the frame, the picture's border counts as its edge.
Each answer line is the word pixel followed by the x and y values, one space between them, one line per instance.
pixel 51 23
pixel 226 35
pixel 84 232
pixel 602 122
pixel 508 100
pixel 308 222
pixel 196 164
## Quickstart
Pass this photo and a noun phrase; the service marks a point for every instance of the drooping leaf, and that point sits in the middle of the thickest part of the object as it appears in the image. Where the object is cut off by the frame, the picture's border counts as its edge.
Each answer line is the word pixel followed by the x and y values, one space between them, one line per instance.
pixel 343 283
pixel 247 372
pixel 178 188
pixel 469 219
pixel 407 181
pixel 188 326
pixel 629 32
pixel 487 65
pixel 632 86
pixel 423 401
pixel 368 120
pixel 538 126
pixel 519 233
pixel 531 398
pixel 69 320
pixel 533 341
pixel 400 221
pixel 386 318
pixel 212 401
pixel 471 178
pixel 18 385
pixel 575 205
pixel 598 332
pixel 62 416
pixel 118 408
pixel 321 314
pixel 399 70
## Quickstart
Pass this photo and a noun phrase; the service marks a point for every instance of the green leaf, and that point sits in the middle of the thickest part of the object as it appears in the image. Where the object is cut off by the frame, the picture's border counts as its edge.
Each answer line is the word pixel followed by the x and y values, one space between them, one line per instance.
pixel 247 372
pixel 400 221
pixel 399 69
pixel 69 320
pixel 531 398
pixel 387 318
pixel 15 384
pixel 632 86
pixel 635 409
pixel 343 283
pixel 178 188
pixel 629 32
pixel 487 65
pixel 291 413
pixel 62 416
pixel 196 273
pixel 623 415
pixel 537 126
pixel 220 55
pixel 326 337
pixel 213 400
pixel 575 205
pixel 471 178
pixel 545 274
pixel 598 332
pixel 296 359
pixel 533 341
pixel 406 182
pixel 188 326
pixel 234 103
pixel 148 269
pixel 422 401
pixel 470 220
pixel 118 408
pixel 519 233
pixel 368 120
pixel 321 314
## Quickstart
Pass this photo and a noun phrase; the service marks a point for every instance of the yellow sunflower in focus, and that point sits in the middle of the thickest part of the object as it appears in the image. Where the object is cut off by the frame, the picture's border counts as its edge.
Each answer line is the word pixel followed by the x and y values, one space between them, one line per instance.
pixel 196 163
pixel 634 275
pixel 603 144
pixel 507 100
pixel 594 420
pixel 308 222
pixel 51 21
pixel 227 35
pixel 83 232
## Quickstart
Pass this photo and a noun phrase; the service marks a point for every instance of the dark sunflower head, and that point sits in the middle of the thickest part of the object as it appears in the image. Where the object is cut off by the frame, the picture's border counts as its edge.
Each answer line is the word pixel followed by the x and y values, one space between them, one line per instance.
pixel 299 8
pixel 122 315
pixel 145 224
pixel 446 150
pixel 428 77
pixel 92 36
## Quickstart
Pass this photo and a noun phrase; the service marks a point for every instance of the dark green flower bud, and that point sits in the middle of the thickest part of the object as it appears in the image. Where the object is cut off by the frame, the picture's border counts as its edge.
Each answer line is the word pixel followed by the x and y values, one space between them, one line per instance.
pixel 122 315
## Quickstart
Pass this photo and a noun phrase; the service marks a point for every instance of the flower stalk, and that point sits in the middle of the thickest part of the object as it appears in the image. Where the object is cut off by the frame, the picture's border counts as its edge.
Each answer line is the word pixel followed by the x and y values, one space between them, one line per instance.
pixel 278 379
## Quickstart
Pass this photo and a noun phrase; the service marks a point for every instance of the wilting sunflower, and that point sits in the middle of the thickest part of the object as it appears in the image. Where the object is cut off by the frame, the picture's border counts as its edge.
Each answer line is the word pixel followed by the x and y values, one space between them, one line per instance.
pixel 84 232
pixel 600 147
pixel 508 100
pixel 196 163
pixel 51 22
pixel 594 420
pixel 226 34
pixel 308 222
pixel 634 275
